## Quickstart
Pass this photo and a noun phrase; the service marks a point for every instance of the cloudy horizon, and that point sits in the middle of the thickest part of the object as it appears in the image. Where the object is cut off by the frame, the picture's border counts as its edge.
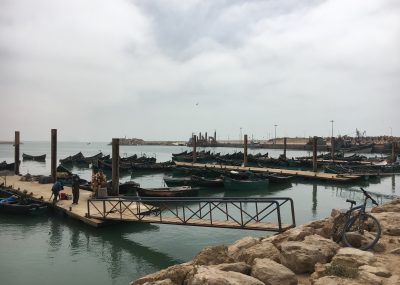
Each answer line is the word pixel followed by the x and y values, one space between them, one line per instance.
pixel 160 70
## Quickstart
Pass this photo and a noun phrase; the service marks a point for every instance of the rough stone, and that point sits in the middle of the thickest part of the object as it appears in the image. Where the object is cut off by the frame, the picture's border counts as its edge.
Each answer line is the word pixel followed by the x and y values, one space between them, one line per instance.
pixel 395 251
pixel 378 271
pixel 213 255
pixel 176 273
pixel 207 275
pixel 301 257
pixel 393 206
pixel 353 257
pixel 393 280
pixel 241 244
pixel 272 273
pixel 295 234
pixel 389 222
pixel 262 250
pixel 160 282
pixel 369 278
pixel 240 267
pixel 333 280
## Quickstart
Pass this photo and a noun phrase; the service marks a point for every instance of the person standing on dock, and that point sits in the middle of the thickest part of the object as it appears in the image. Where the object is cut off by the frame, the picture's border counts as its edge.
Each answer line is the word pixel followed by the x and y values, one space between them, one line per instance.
pixel 75 189
pixel 57 187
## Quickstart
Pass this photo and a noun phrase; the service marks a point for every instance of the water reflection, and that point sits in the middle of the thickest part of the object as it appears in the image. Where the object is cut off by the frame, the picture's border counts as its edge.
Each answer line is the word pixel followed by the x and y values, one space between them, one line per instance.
pixel 55 235
pixel 393 184
pixel 314 201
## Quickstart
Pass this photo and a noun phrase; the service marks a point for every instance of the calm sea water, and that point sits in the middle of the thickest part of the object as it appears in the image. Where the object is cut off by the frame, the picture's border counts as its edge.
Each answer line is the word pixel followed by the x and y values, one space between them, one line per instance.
pixel 57 250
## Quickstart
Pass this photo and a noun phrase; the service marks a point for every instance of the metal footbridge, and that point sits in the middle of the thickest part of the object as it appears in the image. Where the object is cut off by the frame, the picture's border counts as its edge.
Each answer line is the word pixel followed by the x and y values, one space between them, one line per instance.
pixel 266 214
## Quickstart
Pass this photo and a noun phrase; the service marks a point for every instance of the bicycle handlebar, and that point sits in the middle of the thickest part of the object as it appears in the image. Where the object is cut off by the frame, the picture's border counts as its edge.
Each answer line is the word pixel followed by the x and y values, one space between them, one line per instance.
pixel 369 196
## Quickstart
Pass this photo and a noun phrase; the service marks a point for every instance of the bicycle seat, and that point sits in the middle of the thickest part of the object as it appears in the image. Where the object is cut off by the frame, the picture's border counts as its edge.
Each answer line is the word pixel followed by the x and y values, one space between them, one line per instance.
pixel 351 201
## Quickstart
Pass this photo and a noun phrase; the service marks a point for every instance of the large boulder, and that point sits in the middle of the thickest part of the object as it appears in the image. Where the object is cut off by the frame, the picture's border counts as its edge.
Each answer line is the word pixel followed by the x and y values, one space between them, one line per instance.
pixel 295 234
pixel 160 282
pixel 334 280
pixel 240 267
pixel 272 273
pixel 176 274
pixel 390 222
pixel 301 257
pixel 213 255
pixel 352 257
pixel 322 227
pixel 211 276
pixel 264 249
pixel 238 246
pixel 392 206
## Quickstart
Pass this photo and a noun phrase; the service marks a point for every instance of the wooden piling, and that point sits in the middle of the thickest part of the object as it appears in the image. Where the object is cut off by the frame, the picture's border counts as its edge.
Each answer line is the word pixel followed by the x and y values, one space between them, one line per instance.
pixel 16 153
pixel 194 148
pixel 394 151
pixel 115 167
pixel 245 151
pixel 54 154
pixel 284 146
pixel 315 141
pixel 333 148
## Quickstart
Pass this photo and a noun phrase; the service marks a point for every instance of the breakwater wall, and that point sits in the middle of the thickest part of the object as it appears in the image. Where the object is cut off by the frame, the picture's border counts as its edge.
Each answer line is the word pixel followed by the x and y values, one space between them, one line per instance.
pixel 302 255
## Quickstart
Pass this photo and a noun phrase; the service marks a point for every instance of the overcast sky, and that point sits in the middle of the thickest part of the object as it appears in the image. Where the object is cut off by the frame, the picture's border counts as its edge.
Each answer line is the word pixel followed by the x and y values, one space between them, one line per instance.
pixel 97 69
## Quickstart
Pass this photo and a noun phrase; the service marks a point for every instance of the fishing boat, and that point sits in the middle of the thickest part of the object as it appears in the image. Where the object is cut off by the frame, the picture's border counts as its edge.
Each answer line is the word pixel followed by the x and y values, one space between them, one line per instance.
pixel 183 191
pixel 34 157
pixel 207 182
pixel 72 158
pixel 178 181
pixel 7 166
pixel 245 184
pixel 15 204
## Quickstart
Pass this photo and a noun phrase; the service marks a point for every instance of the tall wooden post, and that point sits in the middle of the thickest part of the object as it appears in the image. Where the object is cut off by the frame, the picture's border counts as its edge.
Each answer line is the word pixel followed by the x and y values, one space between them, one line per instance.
pixel 115 167
pixel 315 141
pixel 245 151
pixel 194 140
pixel 54 154
pixel 16 153
pixel 284 146
pixel 333 148
pixel 394 151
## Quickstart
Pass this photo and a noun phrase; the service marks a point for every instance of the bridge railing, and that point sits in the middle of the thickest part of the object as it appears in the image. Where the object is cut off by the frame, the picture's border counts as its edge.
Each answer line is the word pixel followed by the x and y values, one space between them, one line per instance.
pixel 232 212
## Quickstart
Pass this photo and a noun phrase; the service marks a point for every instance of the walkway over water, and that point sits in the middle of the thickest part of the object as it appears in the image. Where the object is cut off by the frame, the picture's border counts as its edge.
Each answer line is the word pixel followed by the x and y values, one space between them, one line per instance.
pixel 265 214
pixel 299 173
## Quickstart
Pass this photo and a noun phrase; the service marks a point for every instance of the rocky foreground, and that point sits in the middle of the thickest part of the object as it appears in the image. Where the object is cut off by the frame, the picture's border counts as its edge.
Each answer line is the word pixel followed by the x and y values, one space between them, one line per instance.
pixel 303 255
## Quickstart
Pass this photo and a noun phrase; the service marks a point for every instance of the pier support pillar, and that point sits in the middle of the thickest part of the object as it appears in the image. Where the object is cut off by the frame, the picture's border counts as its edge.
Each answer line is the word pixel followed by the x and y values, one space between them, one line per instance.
pixel 54 154
pixel 315 141
pixel 333 148
pixel 16 153
pixel 245 151
pixel 194 141
pixel 394 151
pixel 115 167
pixel 284 146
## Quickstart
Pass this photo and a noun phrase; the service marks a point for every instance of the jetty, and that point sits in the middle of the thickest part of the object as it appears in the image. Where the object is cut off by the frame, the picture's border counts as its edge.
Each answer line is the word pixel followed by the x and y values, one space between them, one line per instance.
pixel 297 173
pixel 42 192
pixel 266 214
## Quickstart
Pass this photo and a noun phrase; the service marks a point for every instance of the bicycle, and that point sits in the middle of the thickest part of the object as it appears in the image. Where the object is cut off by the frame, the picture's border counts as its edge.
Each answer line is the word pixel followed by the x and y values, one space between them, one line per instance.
pixel 355 227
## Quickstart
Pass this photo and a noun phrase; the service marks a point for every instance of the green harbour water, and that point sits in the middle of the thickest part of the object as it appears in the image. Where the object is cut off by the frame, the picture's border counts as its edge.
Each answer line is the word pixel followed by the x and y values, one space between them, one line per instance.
pixel 54 249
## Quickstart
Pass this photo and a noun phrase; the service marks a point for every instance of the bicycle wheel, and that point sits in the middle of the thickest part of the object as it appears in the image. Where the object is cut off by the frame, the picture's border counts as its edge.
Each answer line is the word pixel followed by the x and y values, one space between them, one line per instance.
pixel 362 232
pixel 339 224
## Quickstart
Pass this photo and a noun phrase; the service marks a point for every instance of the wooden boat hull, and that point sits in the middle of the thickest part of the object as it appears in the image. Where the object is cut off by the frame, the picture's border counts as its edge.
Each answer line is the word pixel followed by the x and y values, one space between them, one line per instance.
pixel 30 207
pixel 234 184
pixel 184 191
pixel 34 157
